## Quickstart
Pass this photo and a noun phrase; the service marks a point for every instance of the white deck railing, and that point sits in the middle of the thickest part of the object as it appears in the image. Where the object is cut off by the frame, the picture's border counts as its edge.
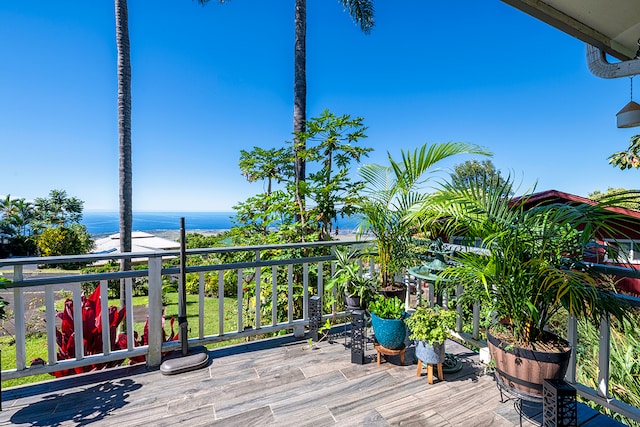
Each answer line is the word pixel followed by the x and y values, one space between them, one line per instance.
pixel 21 284
pixel 153 351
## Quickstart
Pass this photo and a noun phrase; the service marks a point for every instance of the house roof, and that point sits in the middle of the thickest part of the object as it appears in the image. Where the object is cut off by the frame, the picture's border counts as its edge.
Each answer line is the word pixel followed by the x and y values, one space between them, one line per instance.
pixel 555 196
pixel 613 26
pixel 140 242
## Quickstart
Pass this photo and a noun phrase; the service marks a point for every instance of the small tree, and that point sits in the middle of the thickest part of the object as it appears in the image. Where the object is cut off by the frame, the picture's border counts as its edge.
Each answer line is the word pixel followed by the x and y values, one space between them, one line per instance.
pixel 473 170
pixel 57 210
pixel 332 145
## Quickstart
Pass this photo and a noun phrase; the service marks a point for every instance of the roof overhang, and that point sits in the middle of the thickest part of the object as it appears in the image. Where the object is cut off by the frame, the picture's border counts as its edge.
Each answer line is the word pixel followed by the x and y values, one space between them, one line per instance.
pixel 613 26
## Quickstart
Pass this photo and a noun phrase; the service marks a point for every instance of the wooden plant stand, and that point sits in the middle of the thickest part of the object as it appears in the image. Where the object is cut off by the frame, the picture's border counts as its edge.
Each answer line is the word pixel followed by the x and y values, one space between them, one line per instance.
pixel 430 371
pixel 388 352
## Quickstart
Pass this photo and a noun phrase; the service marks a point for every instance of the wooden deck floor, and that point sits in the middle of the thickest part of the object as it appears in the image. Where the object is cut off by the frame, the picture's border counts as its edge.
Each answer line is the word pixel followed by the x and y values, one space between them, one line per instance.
pixel 277 382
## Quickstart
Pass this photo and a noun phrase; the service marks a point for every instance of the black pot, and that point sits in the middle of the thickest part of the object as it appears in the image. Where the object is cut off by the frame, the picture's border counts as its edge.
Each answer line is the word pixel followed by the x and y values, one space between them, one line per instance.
pixel 401 292
pixel 353 302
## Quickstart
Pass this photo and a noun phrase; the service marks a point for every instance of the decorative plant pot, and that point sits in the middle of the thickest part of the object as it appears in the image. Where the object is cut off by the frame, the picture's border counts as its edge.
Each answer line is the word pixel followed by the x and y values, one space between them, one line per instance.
pixel 523 370
pixel 353 302
pixel 395 290
pixel 390 333
pixel 431 354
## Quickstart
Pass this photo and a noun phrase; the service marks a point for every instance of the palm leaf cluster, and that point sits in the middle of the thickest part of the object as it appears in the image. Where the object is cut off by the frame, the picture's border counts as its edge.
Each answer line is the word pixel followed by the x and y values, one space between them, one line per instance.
pixel 531 266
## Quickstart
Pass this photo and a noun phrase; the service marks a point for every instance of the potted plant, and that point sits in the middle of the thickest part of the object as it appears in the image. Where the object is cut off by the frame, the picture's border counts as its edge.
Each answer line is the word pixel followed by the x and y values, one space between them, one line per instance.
pixel 390 193
pixel 530 271
pixel 348 279
pixel 387 316
pixel 430 328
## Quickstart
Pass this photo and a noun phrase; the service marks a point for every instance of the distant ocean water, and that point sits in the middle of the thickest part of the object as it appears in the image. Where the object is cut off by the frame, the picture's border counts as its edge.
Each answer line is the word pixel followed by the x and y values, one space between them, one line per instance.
pixel 104 223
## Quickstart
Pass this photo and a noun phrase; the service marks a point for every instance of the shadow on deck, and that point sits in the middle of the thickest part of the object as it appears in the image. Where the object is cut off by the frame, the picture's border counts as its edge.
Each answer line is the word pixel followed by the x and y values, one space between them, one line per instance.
pixel 279 382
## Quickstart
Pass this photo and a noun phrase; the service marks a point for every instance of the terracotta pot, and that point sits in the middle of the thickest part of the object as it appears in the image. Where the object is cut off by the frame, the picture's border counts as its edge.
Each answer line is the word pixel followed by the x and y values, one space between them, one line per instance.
pixel 523 370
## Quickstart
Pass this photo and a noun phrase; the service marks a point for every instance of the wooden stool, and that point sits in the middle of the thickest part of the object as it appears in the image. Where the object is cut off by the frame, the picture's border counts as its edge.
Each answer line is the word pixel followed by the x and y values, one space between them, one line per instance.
pixel 430 371
pixel 388 352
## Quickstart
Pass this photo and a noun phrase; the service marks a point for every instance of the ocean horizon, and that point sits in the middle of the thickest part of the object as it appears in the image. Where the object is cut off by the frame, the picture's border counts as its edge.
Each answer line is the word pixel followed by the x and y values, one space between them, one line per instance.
pixel 105 223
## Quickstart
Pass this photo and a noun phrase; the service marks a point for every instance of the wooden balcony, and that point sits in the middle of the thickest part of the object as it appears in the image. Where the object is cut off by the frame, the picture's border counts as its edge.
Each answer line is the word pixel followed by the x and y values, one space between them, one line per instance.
pixel 268 382
pixel 276 382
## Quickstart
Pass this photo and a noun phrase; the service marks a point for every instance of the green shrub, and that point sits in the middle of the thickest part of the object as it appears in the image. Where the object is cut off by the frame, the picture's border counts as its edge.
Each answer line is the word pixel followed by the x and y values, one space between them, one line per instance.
pixel 71 240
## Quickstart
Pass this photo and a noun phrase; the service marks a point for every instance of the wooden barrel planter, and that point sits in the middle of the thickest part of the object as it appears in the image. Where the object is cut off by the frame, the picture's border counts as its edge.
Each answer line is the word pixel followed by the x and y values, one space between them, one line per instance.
pixel 523 370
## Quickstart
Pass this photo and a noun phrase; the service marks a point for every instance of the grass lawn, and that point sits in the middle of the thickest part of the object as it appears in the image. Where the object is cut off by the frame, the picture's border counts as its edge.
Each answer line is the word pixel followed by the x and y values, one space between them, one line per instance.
pixel 37 344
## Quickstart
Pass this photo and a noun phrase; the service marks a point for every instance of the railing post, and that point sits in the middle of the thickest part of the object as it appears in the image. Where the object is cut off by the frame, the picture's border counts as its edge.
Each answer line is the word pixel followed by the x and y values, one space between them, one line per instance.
pixel 572 337
pixel 604 354
pixel 154 355
pixel 20 326
pixel 459 291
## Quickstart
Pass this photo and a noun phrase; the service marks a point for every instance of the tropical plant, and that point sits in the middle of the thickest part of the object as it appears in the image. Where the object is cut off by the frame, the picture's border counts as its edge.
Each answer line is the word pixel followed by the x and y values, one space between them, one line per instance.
pixel 348 277
pixel 92 334
pixel 57 210
pixel 387 308
pixel 260 164
pixel 362 12
pixel 334 147
pixel 390 193
pixel 532 267
pixel 431 324
pixel 124 136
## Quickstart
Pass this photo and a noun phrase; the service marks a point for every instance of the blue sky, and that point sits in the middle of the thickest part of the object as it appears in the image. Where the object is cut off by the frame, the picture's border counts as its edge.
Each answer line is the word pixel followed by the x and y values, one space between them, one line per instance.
pixel 210 81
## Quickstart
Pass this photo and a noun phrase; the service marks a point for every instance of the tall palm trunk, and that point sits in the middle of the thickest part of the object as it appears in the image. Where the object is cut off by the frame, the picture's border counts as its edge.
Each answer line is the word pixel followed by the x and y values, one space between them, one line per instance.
pixel 124 132
pixel 300 100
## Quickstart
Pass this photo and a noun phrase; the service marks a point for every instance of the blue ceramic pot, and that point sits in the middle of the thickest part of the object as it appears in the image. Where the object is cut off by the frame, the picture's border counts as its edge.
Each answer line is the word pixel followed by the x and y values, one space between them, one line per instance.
pixel 390 333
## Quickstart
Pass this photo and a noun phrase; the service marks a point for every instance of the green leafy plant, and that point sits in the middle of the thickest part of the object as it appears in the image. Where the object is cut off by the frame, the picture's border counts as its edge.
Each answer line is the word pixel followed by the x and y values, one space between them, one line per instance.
pixel 348 277
pixel 387 308
pixel 431 324
pixel 390 194
pixel 531 268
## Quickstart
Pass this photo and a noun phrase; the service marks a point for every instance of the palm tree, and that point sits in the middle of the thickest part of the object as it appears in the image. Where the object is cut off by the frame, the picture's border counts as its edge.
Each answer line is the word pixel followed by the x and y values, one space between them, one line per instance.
pixel 362 12
pixel 390 194
pixel 124 132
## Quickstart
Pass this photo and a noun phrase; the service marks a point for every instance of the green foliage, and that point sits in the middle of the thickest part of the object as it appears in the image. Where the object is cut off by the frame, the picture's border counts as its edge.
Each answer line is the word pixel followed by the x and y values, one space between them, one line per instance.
pixel 627 159
pixel 387 308
pixel 431 324
pixel 65 240
pixel 57 210
pixel 328 148
pixel 624 380
pixel 22 222
pixel 633 202
pixel 331 145
pixel 271 164
pixel 348 277
pixel 532 266
pixel 472 170
pixel 16 215
pixel 390 194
